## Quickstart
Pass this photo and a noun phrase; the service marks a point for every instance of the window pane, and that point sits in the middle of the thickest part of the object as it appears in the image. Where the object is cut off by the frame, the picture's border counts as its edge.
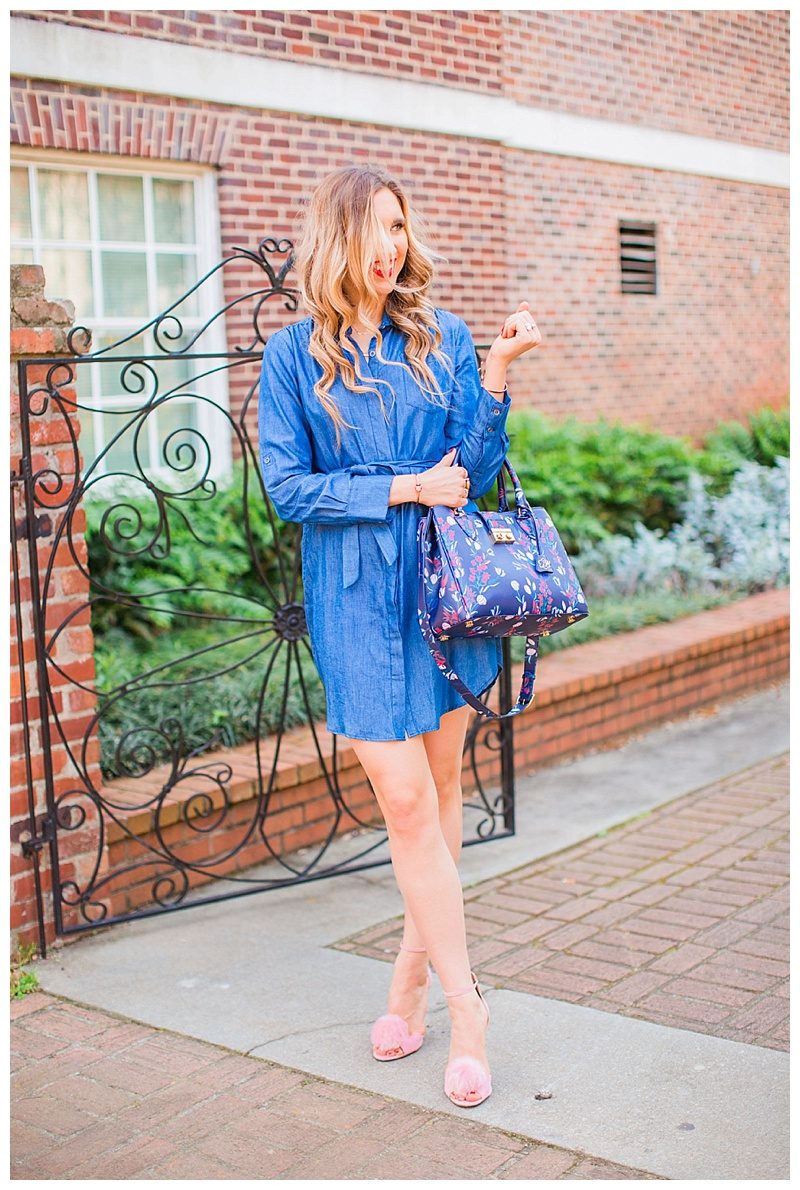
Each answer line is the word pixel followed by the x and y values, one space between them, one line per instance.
pixel 175 274
pixel 121 207
pixel 22 256
pixel 129 347
pixel 181 452
pixel 120 456
pixel 173 207
pixel 124 284
pixel 86 439
pixel 20 205
pixel 130 384
pixel 68 274
pixel 83 388
pixel 63 205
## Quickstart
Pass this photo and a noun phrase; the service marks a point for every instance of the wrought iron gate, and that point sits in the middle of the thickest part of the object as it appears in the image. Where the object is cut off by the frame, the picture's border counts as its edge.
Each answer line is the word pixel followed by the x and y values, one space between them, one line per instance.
pixel 142 807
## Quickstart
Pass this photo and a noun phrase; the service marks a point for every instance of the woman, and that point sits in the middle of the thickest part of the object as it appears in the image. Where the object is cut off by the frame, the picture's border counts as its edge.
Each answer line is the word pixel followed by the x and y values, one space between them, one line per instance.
pixel 362 405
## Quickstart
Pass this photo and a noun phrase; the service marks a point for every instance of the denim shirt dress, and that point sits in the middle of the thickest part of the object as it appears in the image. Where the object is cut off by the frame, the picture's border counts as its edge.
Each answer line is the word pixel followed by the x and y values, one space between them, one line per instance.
pixel 359 554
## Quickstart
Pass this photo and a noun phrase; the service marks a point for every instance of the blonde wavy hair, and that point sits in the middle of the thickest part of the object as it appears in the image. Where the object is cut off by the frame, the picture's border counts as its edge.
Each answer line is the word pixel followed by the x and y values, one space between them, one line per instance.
pixel 339 238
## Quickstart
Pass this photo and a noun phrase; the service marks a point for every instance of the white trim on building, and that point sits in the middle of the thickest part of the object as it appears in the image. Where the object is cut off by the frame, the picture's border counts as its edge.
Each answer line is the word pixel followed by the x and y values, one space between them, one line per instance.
pixel 89 57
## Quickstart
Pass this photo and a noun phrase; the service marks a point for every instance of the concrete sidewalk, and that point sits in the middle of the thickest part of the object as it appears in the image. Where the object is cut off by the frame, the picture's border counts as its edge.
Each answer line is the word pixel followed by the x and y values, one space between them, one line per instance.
pixel 632 938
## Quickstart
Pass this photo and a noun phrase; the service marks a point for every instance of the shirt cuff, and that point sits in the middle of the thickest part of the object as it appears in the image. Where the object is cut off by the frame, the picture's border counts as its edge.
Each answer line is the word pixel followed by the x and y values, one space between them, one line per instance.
pixel 492 411
pixel 369 497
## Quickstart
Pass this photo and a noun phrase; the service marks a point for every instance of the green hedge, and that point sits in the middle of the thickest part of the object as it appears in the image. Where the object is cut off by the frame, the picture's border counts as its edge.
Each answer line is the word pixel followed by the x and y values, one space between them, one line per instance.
pixel 596 479
pixel 216 698
pixel 599 478
pixel 172 556
pixel 763 438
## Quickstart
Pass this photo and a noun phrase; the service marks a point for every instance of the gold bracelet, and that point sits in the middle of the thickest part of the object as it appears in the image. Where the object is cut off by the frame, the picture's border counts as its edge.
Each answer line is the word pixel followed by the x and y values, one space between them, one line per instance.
pixel 494 391
pixel 417 487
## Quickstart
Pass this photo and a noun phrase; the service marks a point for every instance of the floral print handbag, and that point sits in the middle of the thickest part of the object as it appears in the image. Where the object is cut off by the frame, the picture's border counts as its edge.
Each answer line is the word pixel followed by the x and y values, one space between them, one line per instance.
pixel 503 573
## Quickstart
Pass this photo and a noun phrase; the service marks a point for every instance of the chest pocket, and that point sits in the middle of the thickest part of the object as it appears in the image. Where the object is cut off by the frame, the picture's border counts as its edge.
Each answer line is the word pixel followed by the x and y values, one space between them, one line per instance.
pixel 435 405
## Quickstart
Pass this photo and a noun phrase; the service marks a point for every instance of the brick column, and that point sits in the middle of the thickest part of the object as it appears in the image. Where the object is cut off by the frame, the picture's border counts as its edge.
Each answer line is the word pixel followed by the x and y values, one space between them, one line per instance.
pixel 40 327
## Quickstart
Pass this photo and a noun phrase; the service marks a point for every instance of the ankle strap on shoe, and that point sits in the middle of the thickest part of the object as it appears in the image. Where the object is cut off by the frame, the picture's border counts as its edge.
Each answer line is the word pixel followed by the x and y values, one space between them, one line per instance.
pixel 414 949
pixel 463 991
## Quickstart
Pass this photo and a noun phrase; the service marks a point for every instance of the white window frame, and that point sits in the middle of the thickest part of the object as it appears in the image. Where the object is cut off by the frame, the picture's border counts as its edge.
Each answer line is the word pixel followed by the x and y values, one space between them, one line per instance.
pixel 208 251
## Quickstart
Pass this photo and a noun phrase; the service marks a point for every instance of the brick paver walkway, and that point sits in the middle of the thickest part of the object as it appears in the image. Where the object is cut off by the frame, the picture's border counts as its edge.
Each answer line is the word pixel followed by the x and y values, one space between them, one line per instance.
pixel 96 1096
pixel 680 916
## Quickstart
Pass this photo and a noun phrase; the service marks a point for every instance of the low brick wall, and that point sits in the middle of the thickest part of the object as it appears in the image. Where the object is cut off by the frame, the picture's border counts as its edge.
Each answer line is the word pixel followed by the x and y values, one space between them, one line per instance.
pixel 600 693
pixel 590 695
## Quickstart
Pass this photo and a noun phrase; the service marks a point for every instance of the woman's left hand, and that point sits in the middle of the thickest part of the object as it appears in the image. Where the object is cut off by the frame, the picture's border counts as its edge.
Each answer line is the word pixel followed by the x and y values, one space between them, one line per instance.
pixel 519 333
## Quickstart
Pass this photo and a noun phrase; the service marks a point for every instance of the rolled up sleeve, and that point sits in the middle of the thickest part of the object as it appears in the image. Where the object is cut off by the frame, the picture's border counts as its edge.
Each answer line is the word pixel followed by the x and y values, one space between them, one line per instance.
pixel 298 493
pixel 476 420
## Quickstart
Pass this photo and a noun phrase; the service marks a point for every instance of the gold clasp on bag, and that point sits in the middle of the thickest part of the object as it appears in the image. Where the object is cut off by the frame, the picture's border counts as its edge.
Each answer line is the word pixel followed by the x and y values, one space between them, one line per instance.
pixel 502 534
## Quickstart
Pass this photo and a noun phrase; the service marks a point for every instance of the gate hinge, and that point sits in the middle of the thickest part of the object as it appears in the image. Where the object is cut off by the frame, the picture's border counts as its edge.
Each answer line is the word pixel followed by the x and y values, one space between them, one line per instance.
pixel 42 527
pixel 38 837
pixel 23 469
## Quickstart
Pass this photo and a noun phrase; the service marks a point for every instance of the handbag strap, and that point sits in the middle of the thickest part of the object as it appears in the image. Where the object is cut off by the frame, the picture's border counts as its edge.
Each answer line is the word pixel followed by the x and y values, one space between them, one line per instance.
pixel 528 671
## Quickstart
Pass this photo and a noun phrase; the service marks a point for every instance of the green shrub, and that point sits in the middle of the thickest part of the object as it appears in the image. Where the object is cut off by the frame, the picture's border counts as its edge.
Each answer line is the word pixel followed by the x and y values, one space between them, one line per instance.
pixel 218 554
pixel 195 689
pixel 763 439
pixel 601 478
pixel 174 556
pixel 22 982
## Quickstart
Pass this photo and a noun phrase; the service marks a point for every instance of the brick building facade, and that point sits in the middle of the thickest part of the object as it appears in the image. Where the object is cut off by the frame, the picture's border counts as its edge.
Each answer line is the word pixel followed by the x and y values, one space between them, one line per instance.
pixel 524 138
pixel 147 145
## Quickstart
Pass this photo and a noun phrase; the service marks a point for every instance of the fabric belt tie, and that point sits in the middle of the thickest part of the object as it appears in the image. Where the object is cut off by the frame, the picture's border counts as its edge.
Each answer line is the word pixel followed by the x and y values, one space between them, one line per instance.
pixel 380 530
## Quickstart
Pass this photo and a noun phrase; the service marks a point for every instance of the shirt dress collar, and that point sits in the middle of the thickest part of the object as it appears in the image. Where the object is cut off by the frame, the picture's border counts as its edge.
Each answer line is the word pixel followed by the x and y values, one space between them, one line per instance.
pixel 384 324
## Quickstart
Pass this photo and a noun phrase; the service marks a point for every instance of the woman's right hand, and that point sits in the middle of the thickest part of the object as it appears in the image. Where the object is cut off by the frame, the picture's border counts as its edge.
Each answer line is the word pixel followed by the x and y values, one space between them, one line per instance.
pixel 445 484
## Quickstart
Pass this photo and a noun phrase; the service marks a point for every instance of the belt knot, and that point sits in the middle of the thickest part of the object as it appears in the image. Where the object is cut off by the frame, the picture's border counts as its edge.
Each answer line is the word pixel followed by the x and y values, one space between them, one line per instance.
pixel 381 531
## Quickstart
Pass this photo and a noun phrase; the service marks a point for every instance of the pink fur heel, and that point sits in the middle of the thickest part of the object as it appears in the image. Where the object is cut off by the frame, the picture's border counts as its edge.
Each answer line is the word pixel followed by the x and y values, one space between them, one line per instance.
pixel 467 1076
pixel 391 1031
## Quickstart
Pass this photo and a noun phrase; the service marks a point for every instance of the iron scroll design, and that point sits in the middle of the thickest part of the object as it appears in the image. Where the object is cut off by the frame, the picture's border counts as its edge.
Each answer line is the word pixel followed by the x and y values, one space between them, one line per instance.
pixel 159 820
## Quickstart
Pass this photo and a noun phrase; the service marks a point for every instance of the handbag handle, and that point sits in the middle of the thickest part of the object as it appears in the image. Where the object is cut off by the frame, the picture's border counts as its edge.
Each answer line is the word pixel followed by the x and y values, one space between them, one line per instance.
pixel 523 508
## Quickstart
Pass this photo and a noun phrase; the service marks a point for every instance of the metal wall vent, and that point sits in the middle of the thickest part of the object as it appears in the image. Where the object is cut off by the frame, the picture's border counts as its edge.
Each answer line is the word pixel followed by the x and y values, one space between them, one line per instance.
pixel 637 256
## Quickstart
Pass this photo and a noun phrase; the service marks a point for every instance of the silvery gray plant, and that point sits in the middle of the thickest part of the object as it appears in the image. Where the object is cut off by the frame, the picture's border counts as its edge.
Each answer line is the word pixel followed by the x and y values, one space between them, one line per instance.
pixel 738 542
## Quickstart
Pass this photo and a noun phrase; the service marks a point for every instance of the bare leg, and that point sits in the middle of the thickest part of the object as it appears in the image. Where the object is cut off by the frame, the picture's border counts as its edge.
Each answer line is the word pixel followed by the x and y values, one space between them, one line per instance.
pixel 445 749
pixel 426 874
pixel 408 993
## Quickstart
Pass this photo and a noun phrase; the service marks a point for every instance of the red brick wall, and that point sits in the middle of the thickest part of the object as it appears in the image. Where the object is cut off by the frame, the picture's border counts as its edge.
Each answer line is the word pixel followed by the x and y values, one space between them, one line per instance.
pixel 717 73
pixel 594 695
pixel 462 49
pixel 675 362
pixel 597 694
pixel 711 344
pixel 713 73
pixel 39 327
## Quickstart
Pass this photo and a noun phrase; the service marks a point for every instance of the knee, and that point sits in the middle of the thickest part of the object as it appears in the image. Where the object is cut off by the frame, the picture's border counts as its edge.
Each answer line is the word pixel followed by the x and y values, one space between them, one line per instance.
pixel 408 812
